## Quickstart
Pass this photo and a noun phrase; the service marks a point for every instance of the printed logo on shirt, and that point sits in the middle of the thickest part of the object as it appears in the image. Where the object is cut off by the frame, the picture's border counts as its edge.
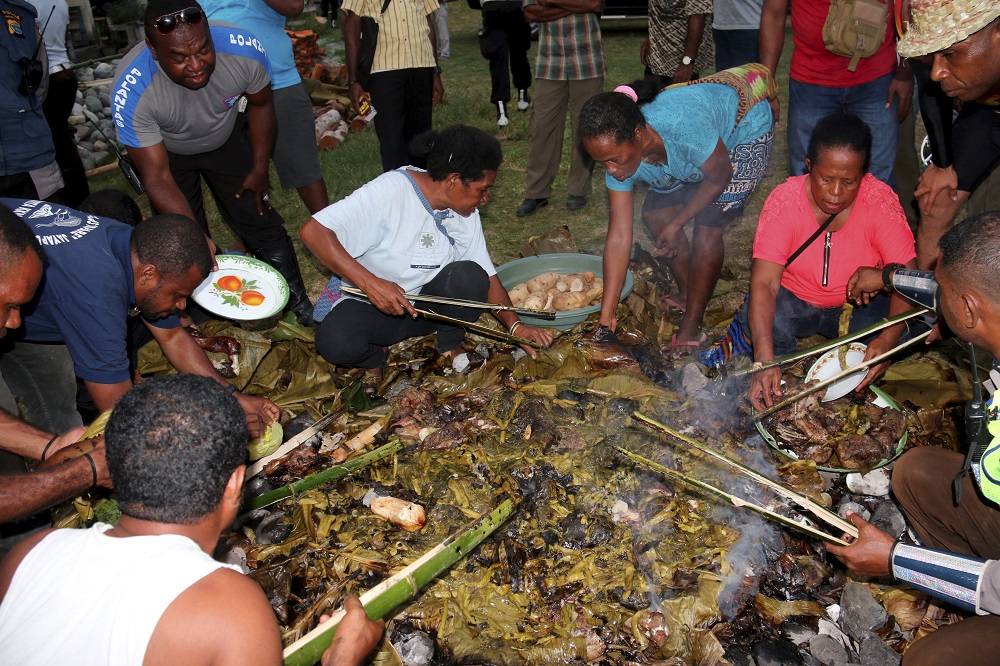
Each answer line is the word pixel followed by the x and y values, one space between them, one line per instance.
pixel 229 101
pixel 427 241
pixel 62 217
pixel 424 267
pixel 13 23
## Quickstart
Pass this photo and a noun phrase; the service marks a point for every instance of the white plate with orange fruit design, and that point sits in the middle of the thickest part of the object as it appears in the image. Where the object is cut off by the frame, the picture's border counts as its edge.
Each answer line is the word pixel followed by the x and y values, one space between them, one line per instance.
pixel 243 288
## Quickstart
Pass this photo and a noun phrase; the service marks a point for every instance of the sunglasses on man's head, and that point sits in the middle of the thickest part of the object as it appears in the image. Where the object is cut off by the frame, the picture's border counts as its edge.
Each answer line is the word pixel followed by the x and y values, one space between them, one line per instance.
pixel 167 23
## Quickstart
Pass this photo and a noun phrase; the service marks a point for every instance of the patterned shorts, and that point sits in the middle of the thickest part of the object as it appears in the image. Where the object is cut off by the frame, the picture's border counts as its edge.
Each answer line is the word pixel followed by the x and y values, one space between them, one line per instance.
pixel 749 166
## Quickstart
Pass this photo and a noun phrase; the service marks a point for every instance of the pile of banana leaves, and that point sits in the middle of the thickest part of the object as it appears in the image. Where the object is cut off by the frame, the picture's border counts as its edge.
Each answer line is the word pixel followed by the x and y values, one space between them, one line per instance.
pixel 602 561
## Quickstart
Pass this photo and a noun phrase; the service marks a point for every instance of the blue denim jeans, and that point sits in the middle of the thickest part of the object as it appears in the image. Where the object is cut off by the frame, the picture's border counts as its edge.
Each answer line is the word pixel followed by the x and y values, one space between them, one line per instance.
pixel 735 47
pixel 41 377
pixel 794 319
pixel 808 103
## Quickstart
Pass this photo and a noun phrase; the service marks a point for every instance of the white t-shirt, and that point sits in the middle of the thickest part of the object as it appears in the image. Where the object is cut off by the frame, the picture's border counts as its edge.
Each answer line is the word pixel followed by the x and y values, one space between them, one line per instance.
pixel 389 228
pixel 81 597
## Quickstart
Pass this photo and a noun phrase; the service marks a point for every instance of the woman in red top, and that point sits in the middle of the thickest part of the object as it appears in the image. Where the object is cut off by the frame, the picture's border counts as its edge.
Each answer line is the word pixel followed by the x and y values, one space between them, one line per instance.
pixel 867 227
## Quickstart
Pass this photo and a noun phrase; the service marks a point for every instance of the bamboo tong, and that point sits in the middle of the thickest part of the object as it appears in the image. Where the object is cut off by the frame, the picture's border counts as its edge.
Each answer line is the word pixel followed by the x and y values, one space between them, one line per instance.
pixel 444 300
pixel 826 346
pixel 813 507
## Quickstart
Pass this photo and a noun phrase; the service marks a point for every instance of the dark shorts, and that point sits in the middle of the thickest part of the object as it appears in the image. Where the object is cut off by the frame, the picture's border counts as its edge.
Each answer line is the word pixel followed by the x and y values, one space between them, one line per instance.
pixel 295 154
pixel 749 166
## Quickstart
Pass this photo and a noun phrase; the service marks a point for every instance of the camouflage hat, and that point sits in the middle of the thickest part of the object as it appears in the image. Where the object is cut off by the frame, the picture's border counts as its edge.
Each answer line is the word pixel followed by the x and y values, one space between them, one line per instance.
pixel 937 24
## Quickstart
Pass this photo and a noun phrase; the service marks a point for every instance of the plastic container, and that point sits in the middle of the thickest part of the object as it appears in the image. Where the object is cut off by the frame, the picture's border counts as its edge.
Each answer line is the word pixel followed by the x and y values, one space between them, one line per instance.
pixel 522 270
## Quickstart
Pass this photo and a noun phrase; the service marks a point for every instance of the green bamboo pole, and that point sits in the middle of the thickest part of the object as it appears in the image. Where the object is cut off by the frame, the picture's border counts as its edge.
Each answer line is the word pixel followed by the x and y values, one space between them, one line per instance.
pixel 384 597
pixel 819 349
pixel 332 474
pixel 806 503
pixel 732 499
pixel 812 388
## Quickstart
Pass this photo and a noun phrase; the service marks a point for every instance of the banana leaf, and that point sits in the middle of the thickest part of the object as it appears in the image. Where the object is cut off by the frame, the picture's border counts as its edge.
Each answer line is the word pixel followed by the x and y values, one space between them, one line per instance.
pixel 292 374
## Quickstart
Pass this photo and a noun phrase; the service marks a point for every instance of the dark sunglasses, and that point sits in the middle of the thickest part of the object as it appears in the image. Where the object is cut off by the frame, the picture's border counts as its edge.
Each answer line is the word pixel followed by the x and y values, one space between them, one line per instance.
pixel 167 23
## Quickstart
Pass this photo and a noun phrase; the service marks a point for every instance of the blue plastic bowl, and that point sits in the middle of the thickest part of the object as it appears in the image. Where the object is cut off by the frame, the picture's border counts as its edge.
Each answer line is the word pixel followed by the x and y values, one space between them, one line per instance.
pixel 521 270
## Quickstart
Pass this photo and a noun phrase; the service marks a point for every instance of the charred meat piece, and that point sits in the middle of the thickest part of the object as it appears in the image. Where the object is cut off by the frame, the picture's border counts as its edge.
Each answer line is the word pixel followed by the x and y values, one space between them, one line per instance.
pixel 414 402
pixel 447 437
pixel 859 451
pixel 296 463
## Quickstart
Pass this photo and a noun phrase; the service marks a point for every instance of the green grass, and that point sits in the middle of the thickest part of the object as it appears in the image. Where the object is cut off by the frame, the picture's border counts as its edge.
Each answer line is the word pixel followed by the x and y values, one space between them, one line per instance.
pixel 466 100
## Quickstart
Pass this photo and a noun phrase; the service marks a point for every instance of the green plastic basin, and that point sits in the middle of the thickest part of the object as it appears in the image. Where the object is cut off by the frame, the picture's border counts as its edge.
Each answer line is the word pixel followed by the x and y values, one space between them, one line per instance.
pixel 521 270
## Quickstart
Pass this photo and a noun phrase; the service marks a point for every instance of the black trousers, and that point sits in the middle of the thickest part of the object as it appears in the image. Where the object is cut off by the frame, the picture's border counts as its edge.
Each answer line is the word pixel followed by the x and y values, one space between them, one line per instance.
pixel 224 170
pixel 57 107
pixel 505 43
pixel 356 333
pixel 402 99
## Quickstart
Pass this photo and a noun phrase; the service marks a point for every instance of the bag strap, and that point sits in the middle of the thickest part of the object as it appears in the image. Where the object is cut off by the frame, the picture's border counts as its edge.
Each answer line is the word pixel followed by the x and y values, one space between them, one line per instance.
pixel 385 6
pixel 815 235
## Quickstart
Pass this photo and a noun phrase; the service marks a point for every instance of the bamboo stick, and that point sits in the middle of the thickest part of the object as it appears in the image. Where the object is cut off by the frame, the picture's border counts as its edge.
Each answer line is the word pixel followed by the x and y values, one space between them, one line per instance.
pixel 812 388
pixel 732 499
pixel 819 349
pixel 482 330
pixel 444 300
pixel 90 173
pixel 290 445
pixel 388 594
pixel 332 474
pixel 806 503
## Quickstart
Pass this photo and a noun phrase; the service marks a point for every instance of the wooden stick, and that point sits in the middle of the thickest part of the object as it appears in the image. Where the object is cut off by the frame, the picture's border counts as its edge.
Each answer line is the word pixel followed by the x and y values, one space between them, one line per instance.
pixel 806 503
pixel 90 173
pixel 850 371
pixel 819 349
pixel 290 445
pixel 732 499
pixel 444 300
pixel 482 330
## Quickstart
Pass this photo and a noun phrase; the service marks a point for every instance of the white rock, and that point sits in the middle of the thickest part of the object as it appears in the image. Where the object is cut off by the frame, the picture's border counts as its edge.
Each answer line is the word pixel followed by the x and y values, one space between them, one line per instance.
pixel 874 484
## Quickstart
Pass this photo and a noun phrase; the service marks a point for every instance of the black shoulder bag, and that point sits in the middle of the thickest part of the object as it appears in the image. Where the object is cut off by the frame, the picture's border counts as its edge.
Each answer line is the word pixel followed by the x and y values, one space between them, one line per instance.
pixel 815 235
pixel 366 52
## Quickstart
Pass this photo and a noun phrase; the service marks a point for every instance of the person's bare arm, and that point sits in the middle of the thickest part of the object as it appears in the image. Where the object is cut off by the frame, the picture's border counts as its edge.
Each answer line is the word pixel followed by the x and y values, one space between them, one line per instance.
pixel 25 494
pixel 223 619
pixel 540 14
pixel 384 295
pixel 153 165
pixel 692 42
pixel 765 281
pixel 356 636
pixel 718 171
pixel 262 124
pixel 771 41
pixel 186 356
pixel 888 338
pixel 106 395
pixel 351 30
pixel 289 8
pixel 21 438
pixel 617 247
pixel 498 294
pixel 574 6
pixel 437 92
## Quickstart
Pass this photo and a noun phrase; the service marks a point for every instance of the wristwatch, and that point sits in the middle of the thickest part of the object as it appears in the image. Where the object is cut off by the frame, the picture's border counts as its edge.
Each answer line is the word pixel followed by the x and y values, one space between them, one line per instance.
pixel 687 60
pixel 887 272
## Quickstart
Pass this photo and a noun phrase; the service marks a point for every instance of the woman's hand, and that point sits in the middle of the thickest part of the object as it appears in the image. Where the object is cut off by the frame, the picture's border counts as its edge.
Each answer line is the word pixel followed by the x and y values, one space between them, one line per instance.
pixel 764 388
pixel 875 348
pixel 666 243
pixel 542 336
pixel 864 285
pixel 387 297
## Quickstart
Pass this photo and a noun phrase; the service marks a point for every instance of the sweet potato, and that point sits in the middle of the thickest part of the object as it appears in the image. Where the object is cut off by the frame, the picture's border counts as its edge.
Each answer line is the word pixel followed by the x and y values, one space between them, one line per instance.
pixel 518 294
pixel 409 516
pixel 542 282
pixel 535 301
pixel 571 300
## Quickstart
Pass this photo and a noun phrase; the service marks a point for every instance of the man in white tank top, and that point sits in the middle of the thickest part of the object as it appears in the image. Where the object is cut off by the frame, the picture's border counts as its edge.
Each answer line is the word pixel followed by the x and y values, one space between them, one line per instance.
pixel 147 591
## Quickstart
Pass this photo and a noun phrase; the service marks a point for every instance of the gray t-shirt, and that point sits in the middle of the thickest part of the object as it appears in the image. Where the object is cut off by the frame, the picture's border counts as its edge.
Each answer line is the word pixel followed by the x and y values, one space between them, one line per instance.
pixel 737 14
pixel 150 108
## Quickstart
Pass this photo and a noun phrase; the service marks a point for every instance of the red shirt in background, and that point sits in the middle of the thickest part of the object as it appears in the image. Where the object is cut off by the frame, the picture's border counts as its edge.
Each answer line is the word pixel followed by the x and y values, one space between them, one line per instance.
pixel 876 234
pixel 813 64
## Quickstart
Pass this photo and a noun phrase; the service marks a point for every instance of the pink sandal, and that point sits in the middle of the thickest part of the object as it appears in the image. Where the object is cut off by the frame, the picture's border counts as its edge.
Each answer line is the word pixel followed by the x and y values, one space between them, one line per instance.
pixel 671 304
pixel 678 348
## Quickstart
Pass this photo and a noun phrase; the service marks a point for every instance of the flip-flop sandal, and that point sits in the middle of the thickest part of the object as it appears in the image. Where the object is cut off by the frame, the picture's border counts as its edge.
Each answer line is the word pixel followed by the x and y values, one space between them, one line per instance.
pixel 678 348
pixel 671 304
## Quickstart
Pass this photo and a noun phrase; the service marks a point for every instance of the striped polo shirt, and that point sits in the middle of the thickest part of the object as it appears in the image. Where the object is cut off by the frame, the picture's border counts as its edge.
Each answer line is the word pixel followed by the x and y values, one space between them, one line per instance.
pixel 403 34
pixel 569 49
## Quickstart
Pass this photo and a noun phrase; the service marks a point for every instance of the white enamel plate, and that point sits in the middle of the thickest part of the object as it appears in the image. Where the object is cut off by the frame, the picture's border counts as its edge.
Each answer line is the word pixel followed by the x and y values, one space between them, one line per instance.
pixel 243 289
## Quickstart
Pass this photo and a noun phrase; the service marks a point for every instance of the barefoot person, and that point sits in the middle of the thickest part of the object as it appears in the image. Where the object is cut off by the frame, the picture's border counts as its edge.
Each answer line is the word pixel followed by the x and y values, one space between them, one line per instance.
pixel 408 231
pixel 702 149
